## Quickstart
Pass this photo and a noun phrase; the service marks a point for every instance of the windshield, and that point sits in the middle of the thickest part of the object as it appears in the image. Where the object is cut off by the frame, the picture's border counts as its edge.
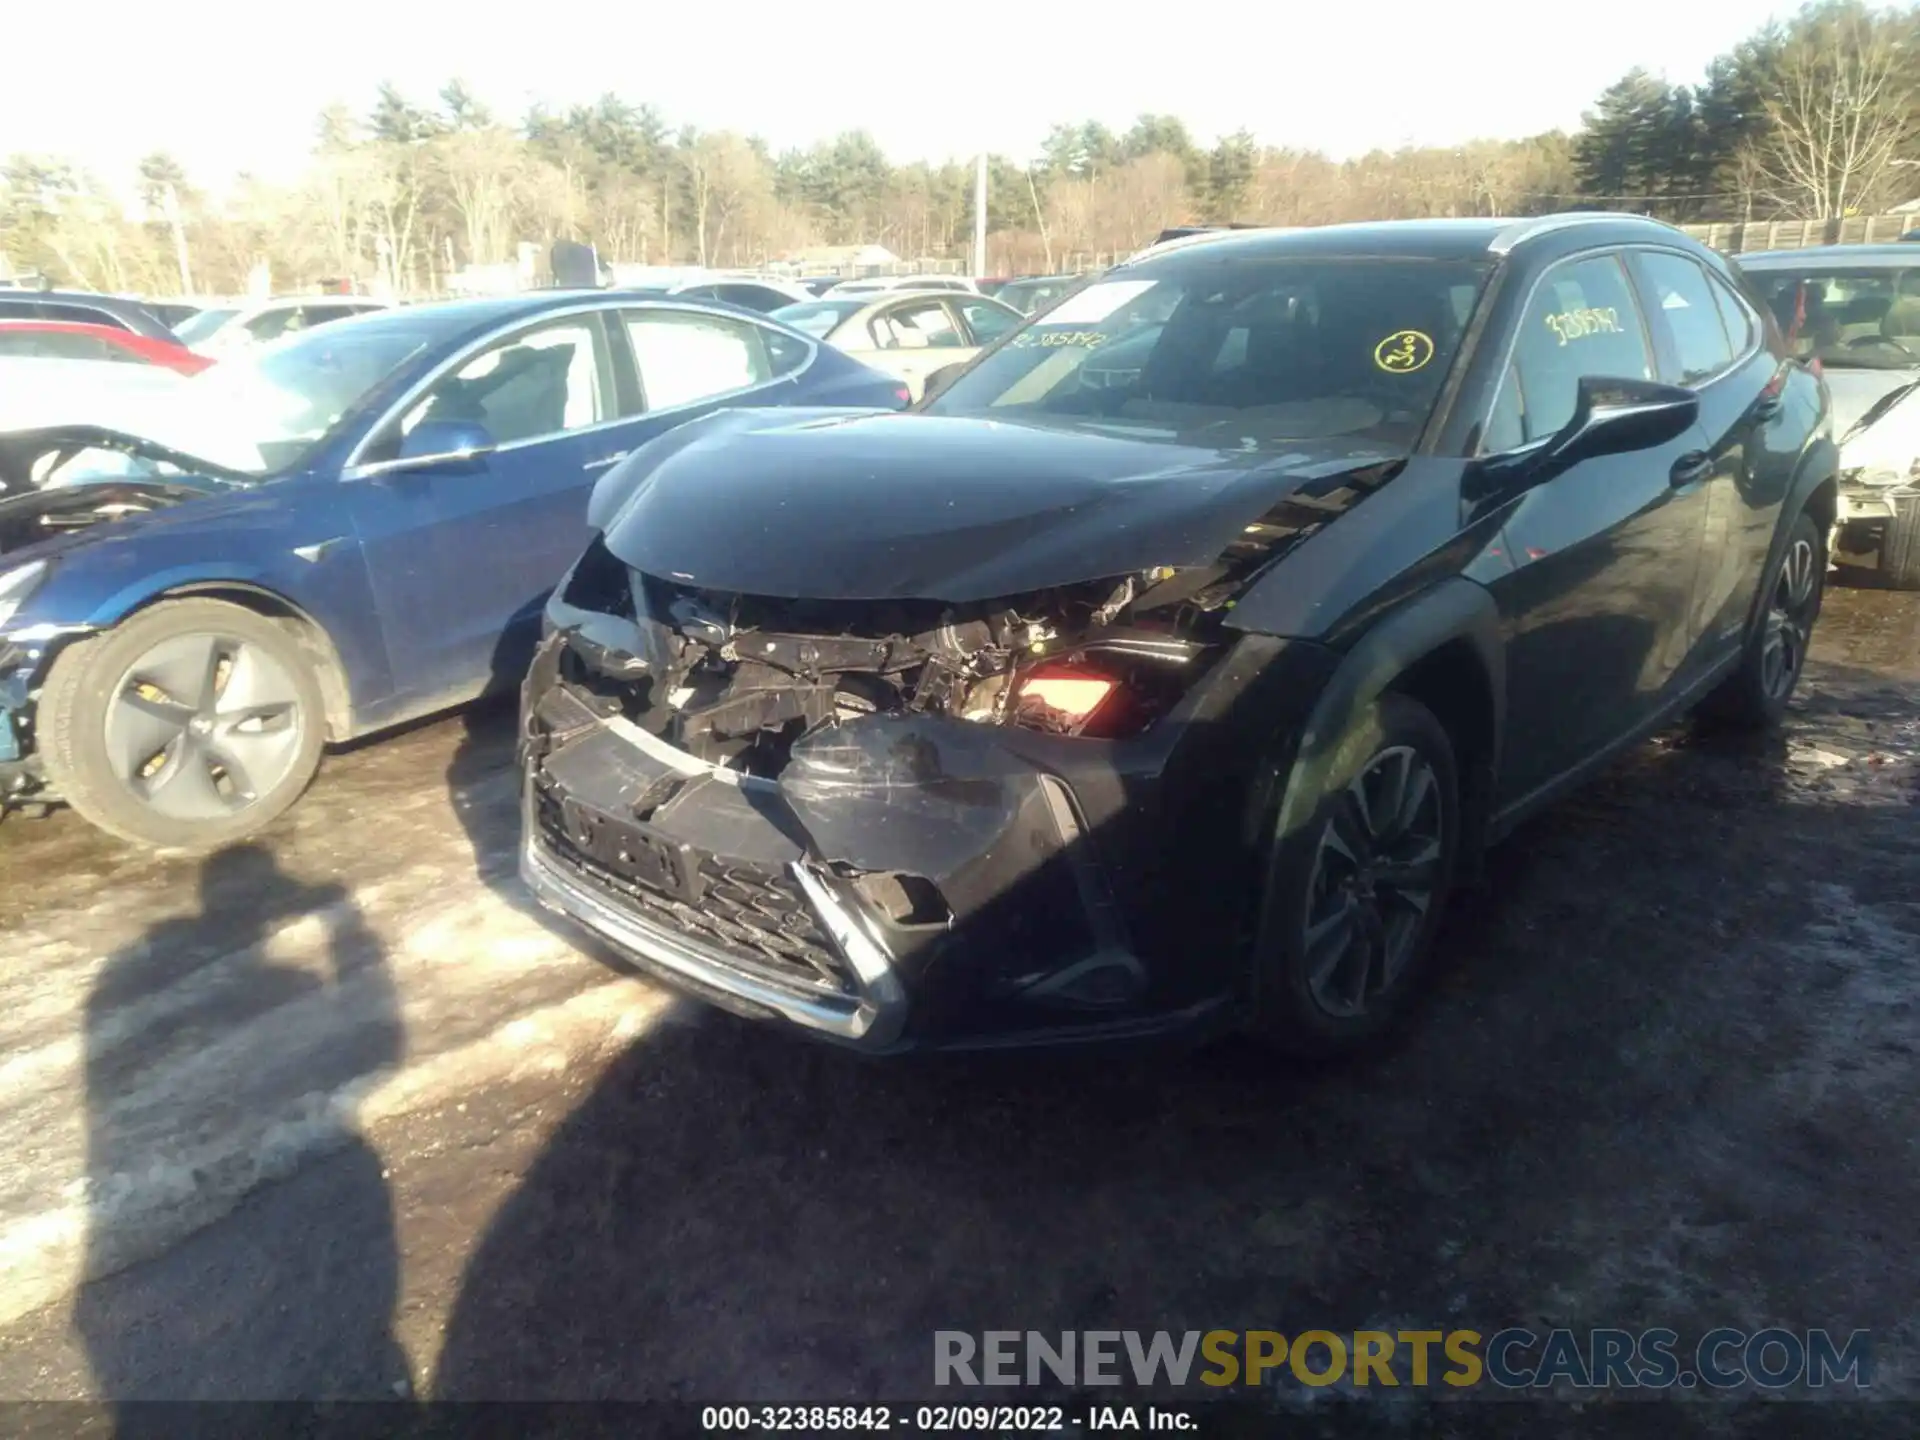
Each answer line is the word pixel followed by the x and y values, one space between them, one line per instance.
pixel 1854 319
pixel 1259 349
pixel 268 409
pixel 196 328
pixel 818 318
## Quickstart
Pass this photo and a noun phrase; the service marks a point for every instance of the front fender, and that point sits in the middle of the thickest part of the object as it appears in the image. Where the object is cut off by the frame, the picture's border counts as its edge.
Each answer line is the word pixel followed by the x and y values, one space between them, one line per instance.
pixel 1332 746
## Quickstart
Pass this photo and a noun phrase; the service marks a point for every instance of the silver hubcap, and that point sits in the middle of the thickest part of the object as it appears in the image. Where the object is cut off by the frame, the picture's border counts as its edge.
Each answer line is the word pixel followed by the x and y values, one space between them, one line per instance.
pixel 1783 648
pixel 1374 876
pixel 201 726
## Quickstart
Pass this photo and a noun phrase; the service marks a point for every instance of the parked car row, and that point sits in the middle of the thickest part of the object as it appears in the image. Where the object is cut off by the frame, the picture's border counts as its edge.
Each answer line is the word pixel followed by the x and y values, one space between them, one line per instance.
pixel 1162 669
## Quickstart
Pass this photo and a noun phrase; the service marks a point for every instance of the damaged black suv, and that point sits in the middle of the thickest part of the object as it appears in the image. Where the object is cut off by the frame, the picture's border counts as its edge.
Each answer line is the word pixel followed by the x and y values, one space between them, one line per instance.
pixel 1102 697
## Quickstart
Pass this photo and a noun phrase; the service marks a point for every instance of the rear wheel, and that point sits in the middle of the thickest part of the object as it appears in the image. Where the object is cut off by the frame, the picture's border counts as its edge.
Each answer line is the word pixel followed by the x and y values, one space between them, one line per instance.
pixel 191 725
pixel 1756 694
pixel 1354 896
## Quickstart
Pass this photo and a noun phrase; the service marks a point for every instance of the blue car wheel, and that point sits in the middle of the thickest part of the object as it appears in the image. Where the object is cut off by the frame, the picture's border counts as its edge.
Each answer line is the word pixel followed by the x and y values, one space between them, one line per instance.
pixel 189 726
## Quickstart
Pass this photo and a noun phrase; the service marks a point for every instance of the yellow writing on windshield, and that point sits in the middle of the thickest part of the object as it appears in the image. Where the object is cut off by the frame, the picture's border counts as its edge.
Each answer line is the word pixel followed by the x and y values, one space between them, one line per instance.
pixel 1579 324
pixel 1058 339
pixel 1403 352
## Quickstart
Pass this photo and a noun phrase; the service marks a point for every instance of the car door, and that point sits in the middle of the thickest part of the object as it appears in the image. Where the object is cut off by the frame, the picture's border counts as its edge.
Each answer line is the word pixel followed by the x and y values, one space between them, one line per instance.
pixel 912 337
pixel 462 555
pixel 1708 340
pixel 1596 607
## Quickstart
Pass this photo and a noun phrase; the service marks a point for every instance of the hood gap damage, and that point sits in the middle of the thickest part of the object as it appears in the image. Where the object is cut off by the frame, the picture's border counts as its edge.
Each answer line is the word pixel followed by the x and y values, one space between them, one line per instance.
pixel 736 680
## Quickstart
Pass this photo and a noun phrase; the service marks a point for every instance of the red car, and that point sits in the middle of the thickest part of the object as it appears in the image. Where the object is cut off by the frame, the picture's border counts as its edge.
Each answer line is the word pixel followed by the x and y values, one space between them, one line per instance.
pixel 64 340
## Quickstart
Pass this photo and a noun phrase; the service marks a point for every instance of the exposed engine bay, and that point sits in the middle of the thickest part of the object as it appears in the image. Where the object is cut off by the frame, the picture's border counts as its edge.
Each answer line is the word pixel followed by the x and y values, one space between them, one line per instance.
pixel 41 497
pixel 737 679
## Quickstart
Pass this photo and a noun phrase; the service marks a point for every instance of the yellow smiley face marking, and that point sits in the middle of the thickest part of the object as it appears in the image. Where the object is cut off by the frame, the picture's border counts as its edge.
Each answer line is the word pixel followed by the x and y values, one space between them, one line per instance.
pixel 1403 352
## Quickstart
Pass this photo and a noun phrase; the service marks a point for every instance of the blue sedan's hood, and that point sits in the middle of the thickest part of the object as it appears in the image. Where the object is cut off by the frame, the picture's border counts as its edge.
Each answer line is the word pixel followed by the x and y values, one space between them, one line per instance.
pixel 46 522
pixel 828 506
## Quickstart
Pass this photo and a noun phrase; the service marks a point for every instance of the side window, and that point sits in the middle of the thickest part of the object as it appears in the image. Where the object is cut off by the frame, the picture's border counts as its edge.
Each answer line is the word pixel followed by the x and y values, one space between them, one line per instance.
pixel 916 325
pixel 751 297
pixel 684 357
pixel 1734 314
pixel 987 322
pixel 272 324
pixel 785 353
pixel 312 315
pixel 80 315
pixel 1581 321
pixel 543 381
pixel 1677 288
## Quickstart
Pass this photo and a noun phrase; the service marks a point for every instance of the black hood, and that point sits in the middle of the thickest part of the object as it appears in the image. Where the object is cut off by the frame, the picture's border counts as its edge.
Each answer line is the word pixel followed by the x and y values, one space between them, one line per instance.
pixel 904 506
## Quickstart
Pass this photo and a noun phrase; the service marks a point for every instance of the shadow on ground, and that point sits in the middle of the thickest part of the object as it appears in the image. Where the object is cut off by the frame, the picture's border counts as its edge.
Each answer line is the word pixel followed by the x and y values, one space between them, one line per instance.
pixel 264 1316
pixel 1666 1027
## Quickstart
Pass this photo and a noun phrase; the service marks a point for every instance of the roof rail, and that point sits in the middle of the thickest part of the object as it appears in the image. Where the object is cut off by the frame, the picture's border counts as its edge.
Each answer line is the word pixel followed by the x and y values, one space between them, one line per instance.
pixel 1181 237
pixel 1526 229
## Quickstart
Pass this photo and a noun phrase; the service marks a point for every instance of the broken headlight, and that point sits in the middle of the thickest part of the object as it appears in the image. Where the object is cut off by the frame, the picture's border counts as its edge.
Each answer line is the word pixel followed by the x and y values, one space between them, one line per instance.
pixel 1881 475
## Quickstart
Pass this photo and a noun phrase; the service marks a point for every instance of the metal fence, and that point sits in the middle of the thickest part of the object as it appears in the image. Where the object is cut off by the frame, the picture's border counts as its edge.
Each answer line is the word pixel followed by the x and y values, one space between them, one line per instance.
pixel 1733 238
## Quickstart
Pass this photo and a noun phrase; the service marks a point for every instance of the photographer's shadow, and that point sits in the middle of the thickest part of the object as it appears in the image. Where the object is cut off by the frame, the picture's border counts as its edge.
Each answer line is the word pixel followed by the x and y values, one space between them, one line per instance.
pixel 210 1071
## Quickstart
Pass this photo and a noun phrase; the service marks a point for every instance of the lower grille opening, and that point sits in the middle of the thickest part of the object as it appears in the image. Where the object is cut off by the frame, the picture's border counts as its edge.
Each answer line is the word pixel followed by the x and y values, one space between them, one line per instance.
pixel 755 914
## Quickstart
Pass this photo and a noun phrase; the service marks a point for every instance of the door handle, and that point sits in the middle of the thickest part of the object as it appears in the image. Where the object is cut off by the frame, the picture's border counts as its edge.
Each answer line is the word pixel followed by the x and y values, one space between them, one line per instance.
pixel 1767 408
pixel 1691 469
pixel 605 460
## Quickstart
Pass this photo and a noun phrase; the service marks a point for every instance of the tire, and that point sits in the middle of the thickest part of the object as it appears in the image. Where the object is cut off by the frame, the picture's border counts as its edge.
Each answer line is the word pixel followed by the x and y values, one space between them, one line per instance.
pixel 1336 864
pixel 1900 550
pixel 217 767
pixel 1755 696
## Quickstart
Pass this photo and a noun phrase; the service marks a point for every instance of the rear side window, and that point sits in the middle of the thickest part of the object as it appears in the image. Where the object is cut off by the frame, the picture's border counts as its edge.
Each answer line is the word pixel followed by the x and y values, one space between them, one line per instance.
pixel 272 324
pixel 1582 321
pixel 752 297
pixel 987 322
pixel 916 325
pixel 1740 321
pixel 1677 288
pixel 80 315
pixel 684 357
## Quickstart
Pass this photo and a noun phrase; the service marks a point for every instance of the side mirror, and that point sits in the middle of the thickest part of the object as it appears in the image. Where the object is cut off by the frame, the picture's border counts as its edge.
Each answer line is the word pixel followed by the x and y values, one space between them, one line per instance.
pixel 938 380
pixel 445 445
pixel 1617 417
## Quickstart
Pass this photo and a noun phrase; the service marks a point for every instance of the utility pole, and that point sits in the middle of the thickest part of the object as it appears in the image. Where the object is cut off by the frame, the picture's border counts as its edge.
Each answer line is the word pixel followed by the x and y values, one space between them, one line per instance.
pixel 980 217
pixel 170 203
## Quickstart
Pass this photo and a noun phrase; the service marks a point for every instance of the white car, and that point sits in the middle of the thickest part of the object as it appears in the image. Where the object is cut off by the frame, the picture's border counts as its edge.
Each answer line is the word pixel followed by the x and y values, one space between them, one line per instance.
pixel 225 329
pixel 907 333
pixel 882 284
pixel 762 293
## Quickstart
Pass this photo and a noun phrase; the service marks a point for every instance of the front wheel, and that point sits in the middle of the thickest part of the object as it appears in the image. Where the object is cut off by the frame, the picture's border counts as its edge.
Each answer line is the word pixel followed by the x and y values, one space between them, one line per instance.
pixel 1354 895
pixel 191 725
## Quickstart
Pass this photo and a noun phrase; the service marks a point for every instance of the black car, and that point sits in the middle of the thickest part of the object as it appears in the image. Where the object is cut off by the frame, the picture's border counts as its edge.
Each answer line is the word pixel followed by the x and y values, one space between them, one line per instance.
pixel 82 307
pixel 1050 712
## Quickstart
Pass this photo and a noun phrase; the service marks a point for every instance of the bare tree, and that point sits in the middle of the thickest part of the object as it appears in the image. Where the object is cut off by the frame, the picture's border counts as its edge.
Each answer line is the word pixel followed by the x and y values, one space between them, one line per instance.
pixel 1842 109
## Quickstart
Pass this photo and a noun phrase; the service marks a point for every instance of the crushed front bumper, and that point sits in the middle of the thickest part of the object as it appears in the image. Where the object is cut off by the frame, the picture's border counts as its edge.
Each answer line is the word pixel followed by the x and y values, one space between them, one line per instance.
pixel 908 882
pixel 870 1015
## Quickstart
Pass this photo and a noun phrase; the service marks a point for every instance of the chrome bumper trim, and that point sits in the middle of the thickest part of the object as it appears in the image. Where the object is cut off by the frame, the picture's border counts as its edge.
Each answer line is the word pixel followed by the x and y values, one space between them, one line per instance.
pixel 871 1019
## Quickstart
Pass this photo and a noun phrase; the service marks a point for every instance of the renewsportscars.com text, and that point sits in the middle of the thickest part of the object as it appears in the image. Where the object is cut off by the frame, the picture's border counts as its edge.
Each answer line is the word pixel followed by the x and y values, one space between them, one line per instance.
pixel 1510 1359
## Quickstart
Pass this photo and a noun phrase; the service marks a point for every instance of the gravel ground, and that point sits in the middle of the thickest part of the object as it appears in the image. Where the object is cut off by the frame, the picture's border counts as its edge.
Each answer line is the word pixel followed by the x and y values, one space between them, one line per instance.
pixel 334 1116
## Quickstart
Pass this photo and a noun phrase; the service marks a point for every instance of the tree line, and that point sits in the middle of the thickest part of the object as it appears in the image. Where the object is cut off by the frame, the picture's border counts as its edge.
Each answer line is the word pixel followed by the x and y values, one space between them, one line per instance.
pixel 1817 117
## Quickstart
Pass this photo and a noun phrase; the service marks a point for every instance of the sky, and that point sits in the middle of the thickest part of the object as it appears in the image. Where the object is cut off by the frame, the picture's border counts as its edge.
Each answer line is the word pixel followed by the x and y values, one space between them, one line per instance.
pixel 227 86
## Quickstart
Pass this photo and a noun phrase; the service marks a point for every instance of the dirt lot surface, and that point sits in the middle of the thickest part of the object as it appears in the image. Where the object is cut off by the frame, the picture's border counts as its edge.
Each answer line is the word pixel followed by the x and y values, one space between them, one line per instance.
pixel 335 1116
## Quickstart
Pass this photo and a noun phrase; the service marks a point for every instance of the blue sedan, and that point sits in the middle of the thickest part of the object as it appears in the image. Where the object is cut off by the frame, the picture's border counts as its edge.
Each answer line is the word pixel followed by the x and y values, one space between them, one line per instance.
pixel 333 536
